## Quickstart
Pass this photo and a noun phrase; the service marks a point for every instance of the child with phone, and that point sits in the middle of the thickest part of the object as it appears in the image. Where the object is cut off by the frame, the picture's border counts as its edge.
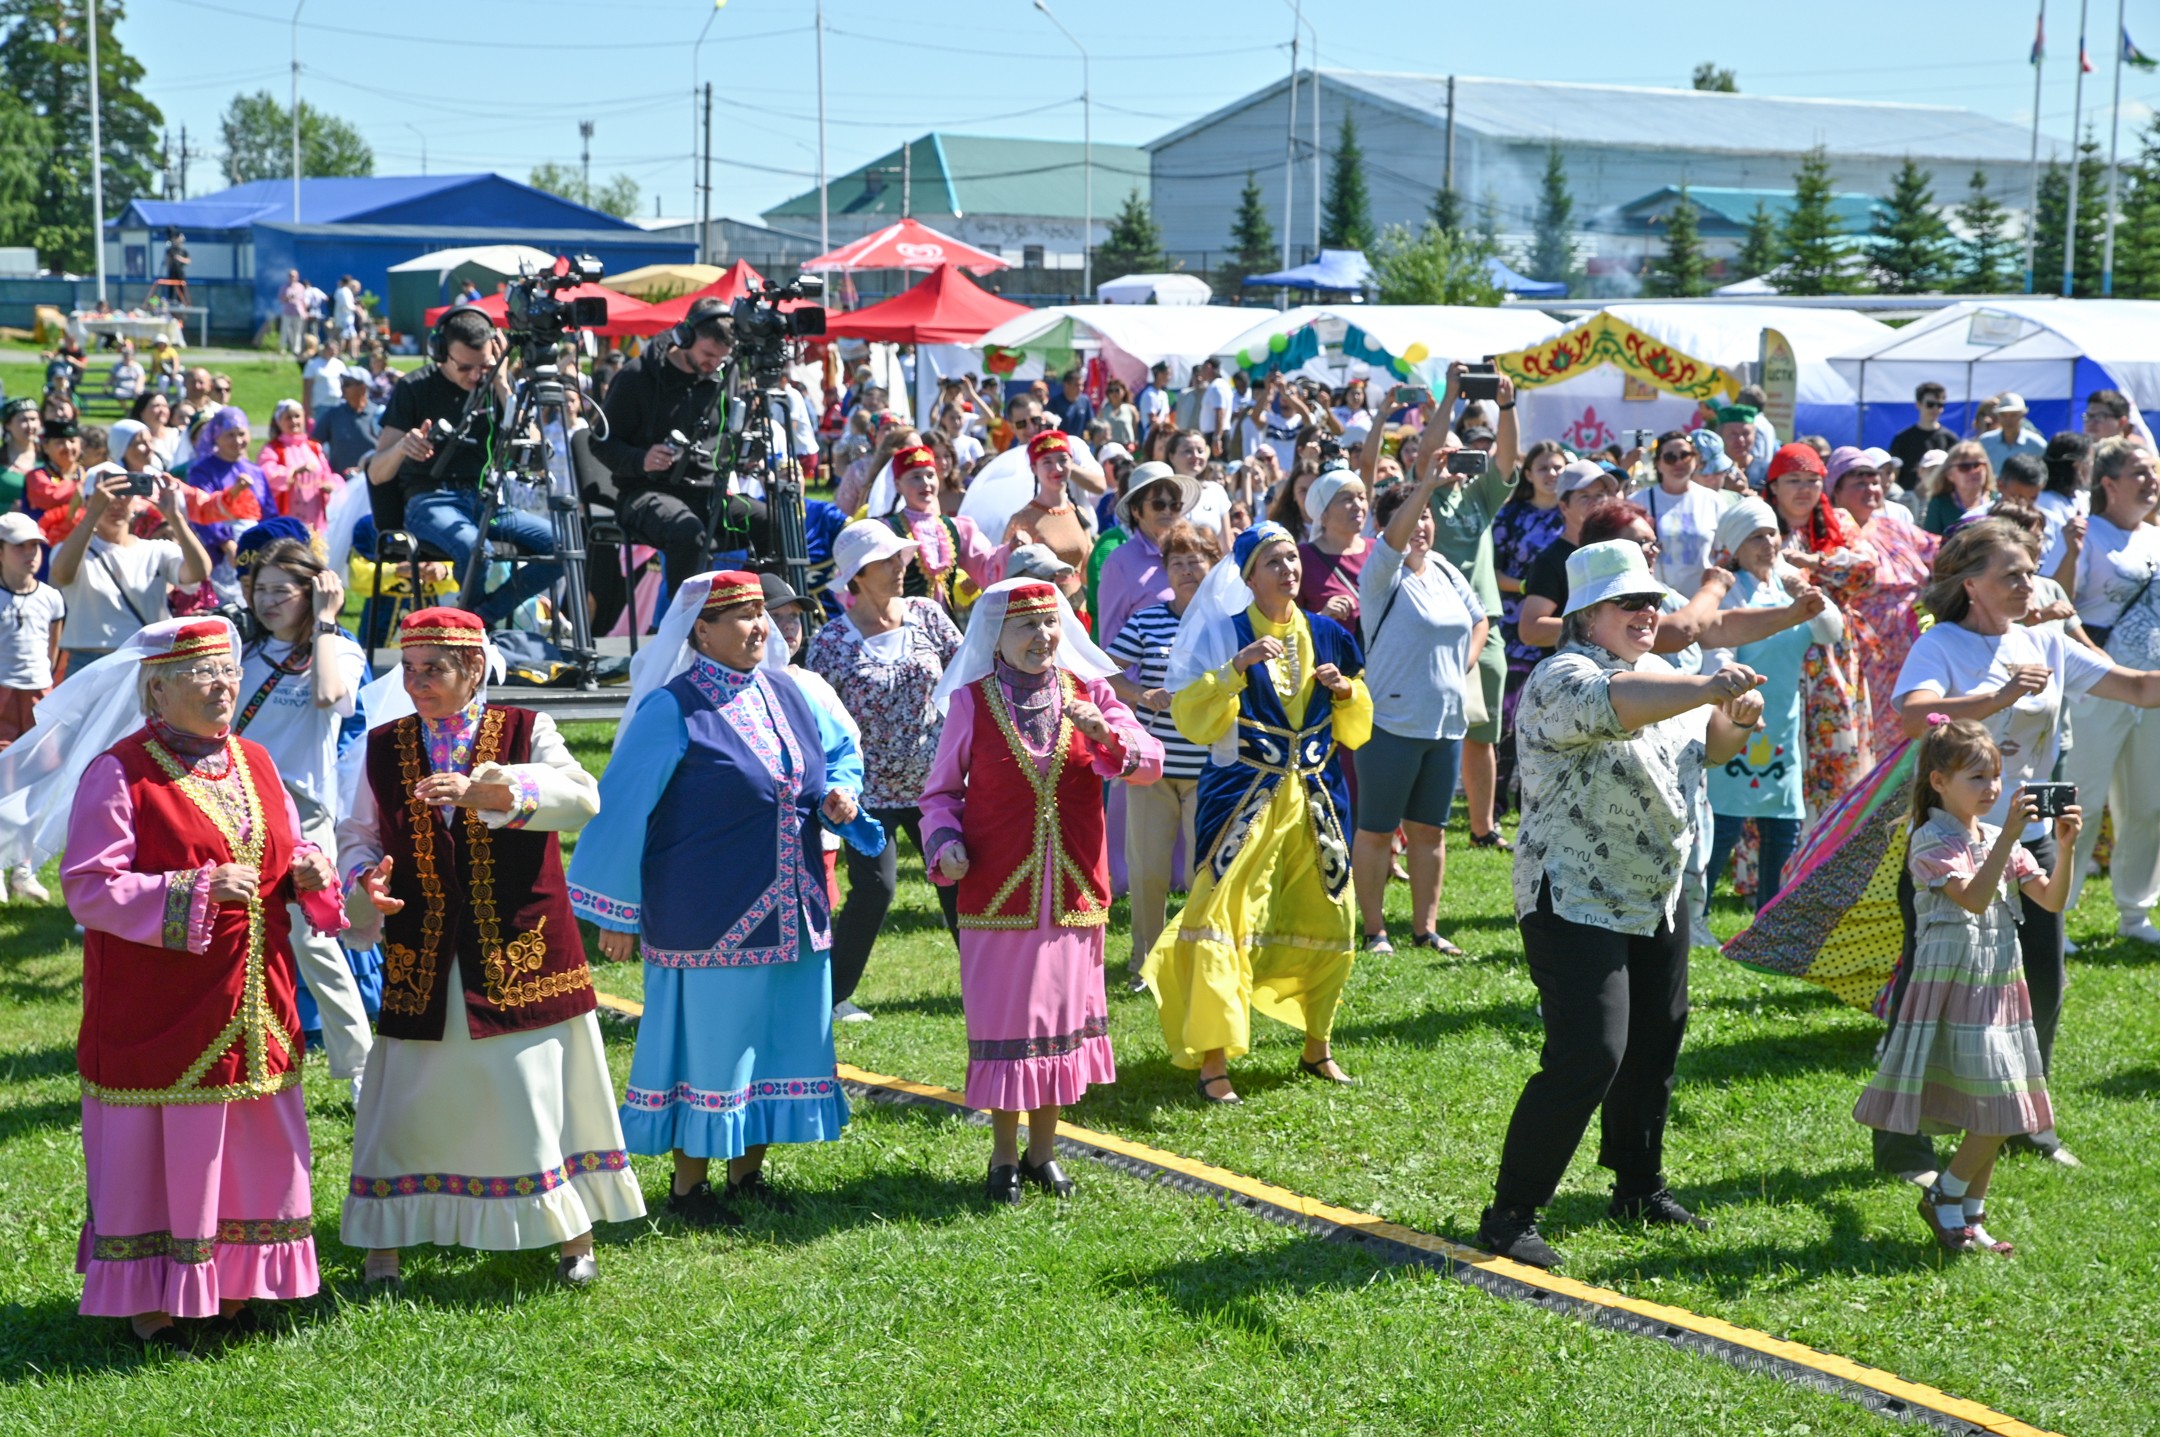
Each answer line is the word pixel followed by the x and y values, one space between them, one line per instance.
pixel 1964 1056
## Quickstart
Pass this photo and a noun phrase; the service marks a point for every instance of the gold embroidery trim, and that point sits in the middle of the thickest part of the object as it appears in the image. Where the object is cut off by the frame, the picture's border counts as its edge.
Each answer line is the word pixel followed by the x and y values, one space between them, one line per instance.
pixel 253 1024
pixel 1048 835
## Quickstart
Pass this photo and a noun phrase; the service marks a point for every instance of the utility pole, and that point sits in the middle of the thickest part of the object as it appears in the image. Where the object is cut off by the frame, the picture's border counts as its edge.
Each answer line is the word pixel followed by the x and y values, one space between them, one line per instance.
pixel 1314 31
pixel 2032 214
pixel 296 9
pixel 824 215
pixel 585 129
pixel 2107 251
pixel 97 158
pixel 421 135
pixel 704 239
pixel 1447 165
pixel 184 158
pixel 907 178
pixel 1087 158
pixel 1289 155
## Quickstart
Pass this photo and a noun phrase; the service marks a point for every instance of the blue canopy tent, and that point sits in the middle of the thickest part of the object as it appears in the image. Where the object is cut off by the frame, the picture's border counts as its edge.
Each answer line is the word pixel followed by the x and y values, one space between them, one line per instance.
pixel 1521 285
pixel 1343 270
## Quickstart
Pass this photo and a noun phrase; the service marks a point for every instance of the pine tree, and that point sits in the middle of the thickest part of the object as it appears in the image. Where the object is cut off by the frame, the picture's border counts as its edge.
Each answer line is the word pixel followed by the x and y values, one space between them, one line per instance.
pixel 1445 211
pixel 1817 257
pixel 1552 252
pixel 1987 261
pixel 1134 244
pixel 1712 76
pixel 1433 266
pixel 2137 227
pixel 1912 243
pixel 2053 212
pixel 1346 218
pixel 1683 270
pixel 22 140
pixel 45 64
pixel 1760 251
pixel 1252 243
pixel 1488 221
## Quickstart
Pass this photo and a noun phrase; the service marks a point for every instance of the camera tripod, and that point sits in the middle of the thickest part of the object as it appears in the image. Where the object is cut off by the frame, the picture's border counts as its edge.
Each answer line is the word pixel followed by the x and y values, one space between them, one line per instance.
pixel 755 422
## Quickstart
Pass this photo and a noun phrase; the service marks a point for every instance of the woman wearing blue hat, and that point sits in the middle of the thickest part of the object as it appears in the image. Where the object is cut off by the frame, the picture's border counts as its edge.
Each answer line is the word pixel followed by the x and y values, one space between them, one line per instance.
pixel 1274 693
pixel 1611 757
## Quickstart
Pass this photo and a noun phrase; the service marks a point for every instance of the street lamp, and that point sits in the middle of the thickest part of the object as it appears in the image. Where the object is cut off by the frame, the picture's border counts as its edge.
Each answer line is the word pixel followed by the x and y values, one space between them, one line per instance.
pixel 296 9
pixel 704 239
pixel 1087 160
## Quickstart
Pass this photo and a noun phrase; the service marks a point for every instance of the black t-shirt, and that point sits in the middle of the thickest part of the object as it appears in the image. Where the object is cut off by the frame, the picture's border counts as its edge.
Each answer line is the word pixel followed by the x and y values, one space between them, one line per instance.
pixel 175 261
pixel 1912 444
pixel 418 400
pixel 1547 577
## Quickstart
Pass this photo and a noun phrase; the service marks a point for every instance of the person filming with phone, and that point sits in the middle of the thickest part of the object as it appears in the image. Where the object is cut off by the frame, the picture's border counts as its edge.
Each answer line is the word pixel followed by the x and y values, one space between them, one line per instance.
pixel 113 582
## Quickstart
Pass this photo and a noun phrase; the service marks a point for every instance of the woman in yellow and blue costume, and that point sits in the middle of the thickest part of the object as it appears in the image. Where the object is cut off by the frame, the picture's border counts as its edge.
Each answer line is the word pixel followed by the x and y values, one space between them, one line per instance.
pixel 1271 924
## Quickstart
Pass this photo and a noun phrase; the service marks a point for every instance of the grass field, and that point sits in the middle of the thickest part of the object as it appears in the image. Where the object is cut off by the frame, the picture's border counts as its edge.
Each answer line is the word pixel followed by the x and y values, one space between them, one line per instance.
pixel 258 384
pixel 895 1303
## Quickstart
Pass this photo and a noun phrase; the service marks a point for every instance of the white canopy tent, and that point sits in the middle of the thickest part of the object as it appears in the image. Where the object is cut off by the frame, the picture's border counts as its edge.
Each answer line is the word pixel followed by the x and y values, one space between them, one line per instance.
pixel 1129 337
pixel 502 258
pixel 1181 289
pixel 2052 352
pixel 1404 339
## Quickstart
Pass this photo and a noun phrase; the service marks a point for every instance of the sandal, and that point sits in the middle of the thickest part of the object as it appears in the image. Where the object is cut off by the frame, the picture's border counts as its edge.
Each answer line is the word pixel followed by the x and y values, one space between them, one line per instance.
pixel 1319 1070
pixel 1949 1239
pixel 1438 944
pixel 1233 1100
pixel 1494 839
pixel 1377 943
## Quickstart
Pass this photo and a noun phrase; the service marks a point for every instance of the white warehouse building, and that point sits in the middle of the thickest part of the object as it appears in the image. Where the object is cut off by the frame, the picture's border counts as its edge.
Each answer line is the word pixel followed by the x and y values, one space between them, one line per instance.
pixel 1619 144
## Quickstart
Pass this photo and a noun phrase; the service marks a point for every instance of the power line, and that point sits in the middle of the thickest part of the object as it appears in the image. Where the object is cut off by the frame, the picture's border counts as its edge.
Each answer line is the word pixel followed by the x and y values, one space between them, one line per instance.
pixel 554 47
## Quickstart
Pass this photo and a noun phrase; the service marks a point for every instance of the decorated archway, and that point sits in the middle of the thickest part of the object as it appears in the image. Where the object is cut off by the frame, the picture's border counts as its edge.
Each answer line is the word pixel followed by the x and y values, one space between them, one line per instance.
pixel 1594 383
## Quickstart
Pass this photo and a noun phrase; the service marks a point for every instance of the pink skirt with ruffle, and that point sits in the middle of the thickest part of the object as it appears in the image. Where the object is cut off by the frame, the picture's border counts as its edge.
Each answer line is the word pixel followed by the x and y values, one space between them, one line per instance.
pixel 1037 1023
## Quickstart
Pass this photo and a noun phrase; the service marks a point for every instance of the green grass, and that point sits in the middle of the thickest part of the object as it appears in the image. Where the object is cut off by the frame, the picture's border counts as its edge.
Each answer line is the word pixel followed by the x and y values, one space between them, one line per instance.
pixel 258 384
pixel 895 1303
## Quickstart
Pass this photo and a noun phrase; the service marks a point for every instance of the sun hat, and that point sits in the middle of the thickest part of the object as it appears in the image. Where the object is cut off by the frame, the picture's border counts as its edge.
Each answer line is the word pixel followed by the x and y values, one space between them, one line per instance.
pixel 16 527
pixel 1710 451
pixel 865 541
pixel 1580 475
pixel 1614 569
pixel 2010 402
pixel 1147 476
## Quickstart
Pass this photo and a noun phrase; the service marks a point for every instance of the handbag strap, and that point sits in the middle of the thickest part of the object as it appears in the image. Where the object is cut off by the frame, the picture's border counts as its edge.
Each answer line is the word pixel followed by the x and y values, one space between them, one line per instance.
pixel 112 571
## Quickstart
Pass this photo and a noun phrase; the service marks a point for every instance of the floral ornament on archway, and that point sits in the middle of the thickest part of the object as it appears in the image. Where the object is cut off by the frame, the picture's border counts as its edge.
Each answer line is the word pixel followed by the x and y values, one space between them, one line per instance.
pixel 1603 339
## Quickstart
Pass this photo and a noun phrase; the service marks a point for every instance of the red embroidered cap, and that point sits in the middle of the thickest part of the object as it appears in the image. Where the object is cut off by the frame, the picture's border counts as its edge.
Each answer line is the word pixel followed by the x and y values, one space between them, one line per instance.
pixel 915 456
pixel 1031 599
pixel 729 588
pixel 451 628
pixel 210 639
pixel 1050 441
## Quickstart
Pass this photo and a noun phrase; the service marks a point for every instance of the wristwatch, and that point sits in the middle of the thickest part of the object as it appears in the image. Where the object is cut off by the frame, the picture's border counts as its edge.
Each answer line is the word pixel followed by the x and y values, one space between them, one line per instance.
pixel 324 626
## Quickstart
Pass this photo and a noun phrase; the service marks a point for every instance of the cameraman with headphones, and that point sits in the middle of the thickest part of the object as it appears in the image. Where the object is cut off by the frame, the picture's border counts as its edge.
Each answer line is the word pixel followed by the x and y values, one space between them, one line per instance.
pixel 444 510
pixel 667 492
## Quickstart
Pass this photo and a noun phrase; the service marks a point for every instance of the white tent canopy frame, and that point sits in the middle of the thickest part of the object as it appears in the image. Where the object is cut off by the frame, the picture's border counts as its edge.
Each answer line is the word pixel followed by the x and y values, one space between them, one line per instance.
pixel 502 258
pixel 1132 337
pixel 1445 332
pixel 1175 289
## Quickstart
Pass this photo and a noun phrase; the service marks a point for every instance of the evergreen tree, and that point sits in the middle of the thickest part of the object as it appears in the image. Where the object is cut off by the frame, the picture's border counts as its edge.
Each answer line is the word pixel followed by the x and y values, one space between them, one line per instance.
pixel 1433 266
pixel 1488 221
pixel 1911 250
pixel 1987 261
pixel 1712 76
pixel 1552 252
pixel 2054 208
pixel 22 141
pixel 257 134
pixel 1446 212
pixel 1817 256
pixel 1682 271
pixel 2137 226
pixel 45 65
pixel 1759 247
pixel 1134 244
pixel 1346 218
pixel 1252 243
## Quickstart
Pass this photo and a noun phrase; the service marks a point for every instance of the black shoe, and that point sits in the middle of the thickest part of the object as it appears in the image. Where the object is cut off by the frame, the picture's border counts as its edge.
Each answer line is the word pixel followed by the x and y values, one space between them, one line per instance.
pixel 699 1207
pixel 1512 1233
pixel 168 1340
pixel 1003 1185
pixel 1658 1209
pixel 1049 1177
pixel 1226 1099
pixel 752 1187
pixel 1319 1070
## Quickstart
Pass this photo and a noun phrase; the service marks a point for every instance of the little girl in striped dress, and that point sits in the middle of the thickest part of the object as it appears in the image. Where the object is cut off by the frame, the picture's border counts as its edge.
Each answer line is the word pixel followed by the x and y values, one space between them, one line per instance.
pixel 1963 1056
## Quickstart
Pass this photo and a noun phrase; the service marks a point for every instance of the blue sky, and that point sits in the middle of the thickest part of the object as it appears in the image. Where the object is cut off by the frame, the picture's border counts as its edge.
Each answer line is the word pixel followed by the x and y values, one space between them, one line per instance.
pixel 502 84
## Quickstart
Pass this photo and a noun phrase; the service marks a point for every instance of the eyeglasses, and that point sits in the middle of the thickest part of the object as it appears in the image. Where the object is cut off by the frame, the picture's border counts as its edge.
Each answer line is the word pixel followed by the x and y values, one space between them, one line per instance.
pixel 1033 421
pixel 1637 603
pixel 209 674
pixel 1931 404
pixel 1967 466
pixel 1675 456
pixel 1163 503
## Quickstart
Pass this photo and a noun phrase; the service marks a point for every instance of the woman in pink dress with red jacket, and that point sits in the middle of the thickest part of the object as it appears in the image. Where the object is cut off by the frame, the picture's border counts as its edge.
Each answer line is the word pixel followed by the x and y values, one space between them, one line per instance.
pixel 1013 815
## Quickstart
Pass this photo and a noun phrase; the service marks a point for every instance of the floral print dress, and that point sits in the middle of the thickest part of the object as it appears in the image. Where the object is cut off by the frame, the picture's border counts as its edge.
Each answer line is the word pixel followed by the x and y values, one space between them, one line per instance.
pixel 1520 533
pixel 885 683
pixel 1839 726
pixel 1889 612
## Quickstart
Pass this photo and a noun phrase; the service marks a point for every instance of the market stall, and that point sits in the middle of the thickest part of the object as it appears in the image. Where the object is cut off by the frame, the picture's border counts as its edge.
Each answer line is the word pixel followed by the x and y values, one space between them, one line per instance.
pixel 945 317
pixel 1401 342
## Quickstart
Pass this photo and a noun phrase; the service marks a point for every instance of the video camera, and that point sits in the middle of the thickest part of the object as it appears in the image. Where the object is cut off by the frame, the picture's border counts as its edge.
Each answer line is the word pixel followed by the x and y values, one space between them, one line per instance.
pixel 535 313
pixel 763 329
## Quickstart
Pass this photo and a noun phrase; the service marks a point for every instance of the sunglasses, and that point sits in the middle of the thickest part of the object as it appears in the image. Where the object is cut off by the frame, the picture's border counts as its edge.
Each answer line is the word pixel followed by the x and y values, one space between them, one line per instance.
pixel 1967 466
pixel 1931 404
pixel 1675 456
pixel 1637 603
pixel 1163 503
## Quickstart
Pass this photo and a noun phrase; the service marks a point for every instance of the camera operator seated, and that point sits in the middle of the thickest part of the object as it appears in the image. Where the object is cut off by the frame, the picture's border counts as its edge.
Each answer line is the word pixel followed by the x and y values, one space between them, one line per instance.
pixel 445 511
pixel 667 488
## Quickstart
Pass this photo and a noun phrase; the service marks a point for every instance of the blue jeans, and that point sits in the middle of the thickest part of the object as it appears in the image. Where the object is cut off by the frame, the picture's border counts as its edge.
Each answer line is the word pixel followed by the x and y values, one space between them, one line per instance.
pixel 449 519
pixel 1780 836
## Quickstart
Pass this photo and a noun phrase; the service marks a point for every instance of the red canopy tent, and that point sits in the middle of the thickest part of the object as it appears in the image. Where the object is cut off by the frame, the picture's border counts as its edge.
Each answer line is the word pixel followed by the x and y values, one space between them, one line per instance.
pixel 905 245
pixel 945 307
pixel 739 280
pixel 626 314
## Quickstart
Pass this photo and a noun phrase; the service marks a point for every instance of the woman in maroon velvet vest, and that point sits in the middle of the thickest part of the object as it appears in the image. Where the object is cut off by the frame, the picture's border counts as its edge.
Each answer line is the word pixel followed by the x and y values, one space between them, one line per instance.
pixel 487 1119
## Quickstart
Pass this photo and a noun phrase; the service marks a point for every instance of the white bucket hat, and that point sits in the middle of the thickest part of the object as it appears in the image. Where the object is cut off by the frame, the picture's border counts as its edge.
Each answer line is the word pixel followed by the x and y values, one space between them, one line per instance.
pixel 1146 476
pixel 866 541
pixel 1614 569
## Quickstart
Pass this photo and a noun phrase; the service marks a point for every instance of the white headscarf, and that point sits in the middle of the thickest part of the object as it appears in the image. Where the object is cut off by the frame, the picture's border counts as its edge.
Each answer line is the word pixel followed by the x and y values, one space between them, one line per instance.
pixel 93 709
pixel 1322 491
pixel 1076 652
pixel 668 654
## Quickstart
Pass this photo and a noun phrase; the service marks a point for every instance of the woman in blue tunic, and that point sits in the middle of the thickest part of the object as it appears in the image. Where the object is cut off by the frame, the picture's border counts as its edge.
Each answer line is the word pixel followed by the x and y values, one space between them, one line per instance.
pixel 707 852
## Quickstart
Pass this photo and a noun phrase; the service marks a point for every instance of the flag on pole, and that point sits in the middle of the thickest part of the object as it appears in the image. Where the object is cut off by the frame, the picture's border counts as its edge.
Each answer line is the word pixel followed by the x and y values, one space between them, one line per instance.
pixel 2085 65
pixel 2039 49
pixel 2135 58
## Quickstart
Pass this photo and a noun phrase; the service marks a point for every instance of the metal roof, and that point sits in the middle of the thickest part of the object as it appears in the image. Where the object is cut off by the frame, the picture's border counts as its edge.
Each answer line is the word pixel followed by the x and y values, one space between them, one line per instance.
pixel 978 175
pixel 1697 120
pixel 328 200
